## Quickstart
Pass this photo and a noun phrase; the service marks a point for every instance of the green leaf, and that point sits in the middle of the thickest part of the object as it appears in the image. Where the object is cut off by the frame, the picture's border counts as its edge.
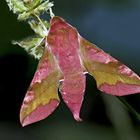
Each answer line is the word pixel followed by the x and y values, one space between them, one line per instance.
pixel 17 6
pixel 27 8
pixel 43 7
pixel 38 29
pixel 34 46
pixel 31 4
pixel 24 16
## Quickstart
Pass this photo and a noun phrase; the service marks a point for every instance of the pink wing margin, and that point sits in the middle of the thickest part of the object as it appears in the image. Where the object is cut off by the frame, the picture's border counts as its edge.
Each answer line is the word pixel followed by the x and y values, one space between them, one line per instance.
pixel 112 77
pixel 41 98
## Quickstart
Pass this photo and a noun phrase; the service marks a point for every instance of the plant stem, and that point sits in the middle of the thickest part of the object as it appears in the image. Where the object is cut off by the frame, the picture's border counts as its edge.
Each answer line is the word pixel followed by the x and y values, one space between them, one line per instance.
pixel 42 24
pixel 51 13
pixel 130 108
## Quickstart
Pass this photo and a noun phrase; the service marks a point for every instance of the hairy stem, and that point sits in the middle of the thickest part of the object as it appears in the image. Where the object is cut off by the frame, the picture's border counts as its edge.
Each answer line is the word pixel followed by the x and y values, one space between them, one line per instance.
pixel 42 24
pixel 51 13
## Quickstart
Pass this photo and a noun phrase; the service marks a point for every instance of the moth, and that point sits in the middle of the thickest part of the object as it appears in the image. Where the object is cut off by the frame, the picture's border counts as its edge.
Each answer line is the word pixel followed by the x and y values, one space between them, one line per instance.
pixel 66 59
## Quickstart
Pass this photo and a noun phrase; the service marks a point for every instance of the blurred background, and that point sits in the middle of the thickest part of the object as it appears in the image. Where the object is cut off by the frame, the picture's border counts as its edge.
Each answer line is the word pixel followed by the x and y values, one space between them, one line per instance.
pixel 114 26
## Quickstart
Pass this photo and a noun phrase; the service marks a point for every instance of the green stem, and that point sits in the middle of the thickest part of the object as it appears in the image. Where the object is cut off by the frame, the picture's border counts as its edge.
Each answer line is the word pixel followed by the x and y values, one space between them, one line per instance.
pixel 51 13
pixel 130 108
pixel 20 7
pixel 42 24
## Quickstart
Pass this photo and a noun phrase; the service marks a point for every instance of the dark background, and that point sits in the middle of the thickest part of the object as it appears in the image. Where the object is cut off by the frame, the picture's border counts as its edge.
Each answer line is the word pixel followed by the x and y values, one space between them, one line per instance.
pixel 113 25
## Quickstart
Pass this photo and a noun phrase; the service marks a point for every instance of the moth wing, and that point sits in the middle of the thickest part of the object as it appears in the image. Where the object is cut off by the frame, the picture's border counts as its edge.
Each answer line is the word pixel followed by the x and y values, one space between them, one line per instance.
pixel 41 98
pixel 112 77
